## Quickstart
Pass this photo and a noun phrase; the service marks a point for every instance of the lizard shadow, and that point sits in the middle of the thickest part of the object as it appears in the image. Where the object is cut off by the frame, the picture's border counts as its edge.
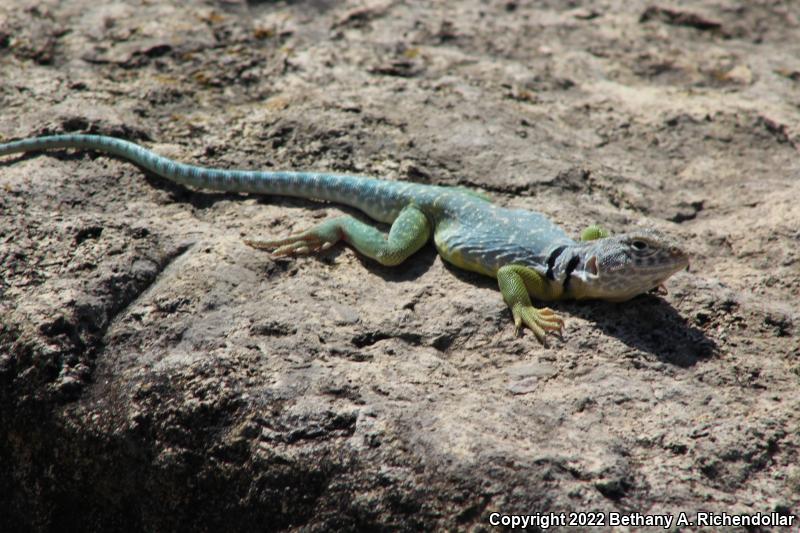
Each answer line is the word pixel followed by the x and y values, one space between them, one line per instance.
pixel 646 323
pixel 650 324
pixel 411 269
pixel 199 199
pixel 473 278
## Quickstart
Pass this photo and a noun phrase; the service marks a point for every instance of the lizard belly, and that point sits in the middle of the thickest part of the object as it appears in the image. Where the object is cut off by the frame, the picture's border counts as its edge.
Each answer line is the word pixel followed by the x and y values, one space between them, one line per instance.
pixel 454 255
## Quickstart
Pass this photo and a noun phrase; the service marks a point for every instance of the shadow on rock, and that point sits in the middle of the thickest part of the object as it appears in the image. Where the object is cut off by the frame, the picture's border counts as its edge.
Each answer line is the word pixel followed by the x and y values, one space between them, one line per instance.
pixel 410 269
pixel 646 323
pixel 650 324
pixel 473 278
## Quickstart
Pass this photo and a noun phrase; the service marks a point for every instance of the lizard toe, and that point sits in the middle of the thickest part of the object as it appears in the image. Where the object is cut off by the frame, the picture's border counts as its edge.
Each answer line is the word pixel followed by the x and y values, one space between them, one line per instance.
pixel 539 321
pixel 301 244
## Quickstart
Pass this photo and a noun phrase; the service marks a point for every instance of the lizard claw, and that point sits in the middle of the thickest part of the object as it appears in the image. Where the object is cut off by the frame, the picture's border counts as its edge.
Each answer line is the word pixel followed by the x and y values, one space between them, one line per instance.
pixel 661 289
pixel 316 239
pixel 300 244
pixel 539 321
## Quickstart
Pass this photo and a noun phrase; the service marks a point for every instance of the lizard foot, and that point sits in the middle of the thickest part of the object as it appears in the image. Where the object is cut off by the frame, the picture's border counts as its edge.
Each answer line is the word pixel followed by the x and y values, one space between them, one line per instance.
pixel 317 239
pixel 539 321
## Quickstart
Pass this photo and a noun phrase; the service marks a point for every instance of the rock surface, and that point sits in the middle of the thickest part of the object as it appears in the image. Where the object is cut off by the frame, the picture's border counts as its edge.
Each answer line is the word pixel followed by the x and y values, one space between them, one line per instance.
pixel 156 374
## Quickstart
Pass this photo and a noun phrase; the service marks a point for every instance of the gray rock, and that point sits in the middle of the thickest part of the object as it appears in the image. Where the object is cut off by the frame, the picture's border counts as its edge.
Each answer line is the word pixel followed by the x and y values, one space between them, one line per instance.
pixel 158 375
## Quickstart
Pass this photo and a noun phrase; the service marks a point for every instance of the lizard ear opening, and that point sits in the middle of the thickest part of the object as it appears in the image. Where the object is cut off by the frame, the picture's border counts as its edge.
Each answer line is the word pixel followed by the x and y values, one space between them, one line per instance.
pixel 591 266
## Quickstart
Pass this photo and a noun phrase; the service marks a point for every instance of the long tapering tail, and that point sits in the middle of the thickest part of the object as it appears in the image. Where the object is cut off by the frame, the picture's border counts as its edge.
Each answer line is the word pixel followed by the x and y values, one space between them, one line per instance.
pixel 378 198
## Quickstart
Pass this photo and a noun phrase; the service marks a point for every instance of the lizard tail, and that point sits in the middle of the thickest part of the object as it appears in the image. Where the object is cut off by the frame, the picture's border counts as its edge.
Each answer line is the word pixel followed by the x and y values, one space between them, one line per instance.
pixel 380 199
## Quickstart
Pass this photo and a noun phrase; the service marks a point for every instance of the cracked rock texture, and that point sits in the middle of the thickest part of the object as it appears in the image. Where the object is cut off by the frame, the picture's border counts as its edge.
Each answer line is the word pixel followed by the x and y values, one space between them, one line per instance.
pixel 156 374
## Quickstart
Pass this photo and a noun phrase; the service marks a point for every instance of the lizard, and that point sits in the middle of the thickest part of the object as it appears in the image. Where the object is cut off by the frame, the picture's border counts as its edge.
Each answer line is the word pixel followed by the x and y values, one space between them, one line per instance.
pixel 529 255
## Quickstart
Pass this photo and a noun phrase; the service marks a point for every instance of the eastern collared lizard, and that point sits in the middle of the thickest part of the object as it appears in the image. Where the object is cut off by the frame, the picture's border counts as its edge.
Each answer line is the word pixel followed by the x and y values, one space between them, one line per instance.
pixel 527 253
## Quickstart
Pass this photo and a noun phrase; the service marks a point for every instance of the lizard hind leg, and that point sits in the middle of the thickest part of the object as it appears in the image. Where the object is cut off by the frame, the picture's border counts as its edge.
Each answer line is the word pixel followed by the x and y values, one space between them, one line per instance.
pixel 409 232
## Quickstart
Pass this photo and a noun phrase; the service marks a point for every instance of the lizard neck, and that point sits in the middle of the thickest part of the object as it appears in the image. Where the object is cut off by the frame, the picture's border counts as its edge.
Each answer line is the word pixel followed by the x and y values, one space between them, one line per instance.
pixel 569 268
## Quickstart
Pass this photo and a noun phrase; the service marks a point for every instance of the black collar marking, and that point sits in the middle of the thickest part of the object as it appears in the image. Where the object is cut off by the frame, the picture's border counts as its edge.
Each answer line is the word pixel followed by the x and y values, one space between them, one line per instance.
pixel 551 261
pixel 572 265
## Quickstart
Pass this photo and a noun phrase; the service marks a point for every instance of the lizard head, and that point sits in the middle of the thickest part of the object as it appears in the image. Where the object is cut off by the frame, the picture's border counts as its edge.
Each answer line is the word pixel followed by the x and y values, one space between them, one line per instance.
pixel 620 267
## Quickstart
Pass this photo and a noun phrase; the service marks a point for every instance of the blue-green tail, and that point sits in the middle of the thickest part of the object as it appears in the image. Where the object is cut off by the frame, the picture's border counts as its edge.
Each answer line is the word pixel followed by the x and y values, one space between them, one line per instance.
pixel 380 199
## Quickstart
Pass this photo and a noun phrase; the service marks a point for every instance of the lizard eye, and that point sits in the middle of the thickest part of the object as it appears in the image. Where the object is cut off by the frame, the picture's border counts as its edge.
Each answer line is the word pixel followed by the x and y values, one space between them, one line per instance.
pixel 639 245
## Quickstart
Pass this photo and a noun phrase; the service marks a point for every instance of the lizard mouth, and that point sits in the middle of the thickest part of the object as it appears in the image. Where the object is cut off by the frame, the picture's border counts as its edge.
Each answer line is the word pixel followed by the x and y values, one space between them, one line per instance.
pixel 591 266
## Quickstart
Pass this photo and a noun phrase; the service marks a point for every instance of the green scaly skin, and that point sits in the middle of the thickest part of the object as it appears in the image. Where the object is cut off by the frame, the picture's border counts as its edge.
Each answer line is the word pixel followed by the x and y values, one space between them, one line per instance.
pixel 528 254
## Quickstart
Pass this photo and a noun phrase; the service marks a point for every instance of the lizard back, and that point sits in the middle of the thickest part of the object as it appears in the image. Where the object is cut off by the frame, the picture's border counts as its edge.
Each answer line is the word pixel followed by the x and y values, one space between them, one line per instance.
pixel 476 235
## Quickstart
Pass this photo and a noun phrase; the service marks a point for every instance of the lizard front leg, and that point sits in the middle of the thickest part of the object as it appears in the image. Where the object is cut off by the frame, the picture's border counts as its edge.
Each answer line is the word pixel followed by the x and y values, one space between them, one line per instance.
pixel 409 232
pixel 517 284
pixel 594 232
